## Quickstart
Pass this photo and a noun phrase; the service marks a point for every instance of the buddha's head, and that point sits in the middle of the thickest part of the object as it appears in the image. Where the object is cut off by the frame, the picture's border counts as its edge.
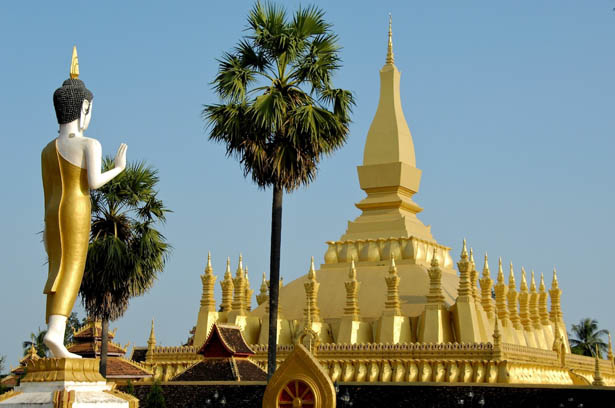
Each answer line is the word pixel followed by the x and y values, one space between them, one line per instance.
pixel 73 101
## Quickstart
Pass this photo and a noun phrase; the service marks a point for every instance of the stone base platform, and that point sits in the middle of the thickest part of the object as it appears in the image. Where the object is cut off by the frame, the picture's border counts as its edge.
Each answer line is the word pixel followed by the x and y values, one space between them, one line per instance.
pixel 66 383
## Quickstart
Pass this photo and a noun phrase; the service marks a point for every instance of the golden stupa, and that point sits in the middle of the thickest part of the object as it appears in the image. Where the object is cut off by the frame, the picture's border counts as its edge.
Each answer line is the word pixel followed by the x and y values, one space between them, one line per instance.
pixel 388 305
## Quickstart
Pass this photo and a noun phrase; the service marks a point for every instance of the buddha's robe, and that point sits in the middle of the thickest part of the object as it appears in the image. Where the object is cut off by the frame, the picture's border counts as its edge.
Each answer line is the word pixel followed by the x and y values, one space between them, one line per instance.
pixel 67 228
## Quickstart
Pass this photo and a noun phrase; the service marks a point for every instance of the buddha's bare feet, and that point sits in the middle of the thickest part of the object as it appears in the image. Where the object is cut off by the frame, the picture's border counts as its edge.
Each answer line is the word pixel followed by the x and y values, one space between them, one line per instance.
pixel 54 339
pixel 55 344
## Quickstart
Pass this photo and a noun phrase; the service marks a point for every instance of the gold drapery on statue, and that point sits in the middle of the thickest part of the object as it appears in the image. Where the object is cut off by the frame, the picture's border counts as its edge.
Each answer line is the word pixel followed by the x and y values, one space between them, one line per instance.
pixel 67 228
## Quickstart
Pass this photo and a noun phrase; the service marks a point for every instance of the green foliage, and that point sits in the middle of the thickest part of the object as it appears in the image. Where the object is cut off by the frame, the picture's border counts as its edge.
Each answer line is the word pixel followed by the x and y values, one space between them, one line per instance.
pixel 130 388
pixel 72 325
pixel 155 397
pixel 586 336
pixel 126 252
pixel 280 113
pixel 2 362
pixel 36 340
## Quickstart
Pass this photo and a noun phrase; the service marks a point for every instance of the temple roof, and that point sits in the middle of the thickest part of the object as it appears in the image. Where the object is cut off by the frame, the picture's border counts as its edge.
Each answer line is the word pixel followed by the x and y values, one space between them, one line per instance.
pixel 93 348
pixel 223 369
pixel 119 367
pixel 91 330
pixel 225 340
pixel 138 354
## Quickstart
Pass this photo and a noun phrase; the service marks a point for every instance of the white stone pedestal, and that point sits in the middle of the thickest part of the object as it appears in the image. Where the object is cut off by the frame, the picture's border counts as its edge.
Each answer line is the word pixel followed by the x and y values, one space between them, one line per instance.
pixel 65 383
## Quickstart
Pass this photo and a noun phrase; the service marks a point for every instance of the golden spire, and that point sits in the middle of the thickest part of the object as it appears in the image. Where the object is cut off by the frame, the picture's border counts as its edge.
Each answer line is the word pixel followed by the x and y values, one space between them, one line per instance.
pixel 392 305
pixel 486 283
pixel 497 344
pixel 513 297
pixel 534 304
pixel 435 296
pixel 263 295
pixel 151 342
pixel 542 303
pixel 474 277
pixel 249 292
pixel 524 303
pixel 227 288
pixel 610 352
pixel 208 280
pixel 555 292
pixel 465 288
pixel 598 381
pixel 311 292
pixel 239 286
pixel 390 56
pixel 352 294
pixel 74 64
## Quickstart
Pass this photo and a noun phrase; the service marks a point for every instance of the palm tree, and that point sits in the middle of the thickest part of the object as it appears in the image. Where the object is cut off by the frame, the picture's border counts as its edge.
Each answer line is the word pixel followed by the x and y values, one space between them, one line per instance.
pixel 126 252
pixel 2 359
pixel 280 113
pixel 36 340
pixel 587 337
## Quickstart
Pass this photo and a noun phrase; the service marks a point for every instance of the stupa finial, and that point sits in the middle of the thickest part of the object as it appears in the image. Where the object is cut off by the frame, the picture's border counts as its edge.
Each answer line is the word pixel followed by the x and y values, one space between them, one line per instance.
pixel 554 282
pixel 523 285
pixel 263 295
pixel 312 271
pixel 151 342
pixel 209 270
pixel 500 271
pixel 390 56
pixel 512 283
pixel 74 64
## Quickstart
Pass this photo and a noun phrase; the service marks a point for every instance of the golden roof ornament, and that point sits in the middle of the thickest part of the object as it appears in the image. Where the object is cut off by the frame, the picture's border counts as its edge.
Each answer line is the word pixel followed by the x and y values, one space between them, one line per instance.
pixel 74 64
pixel 390 56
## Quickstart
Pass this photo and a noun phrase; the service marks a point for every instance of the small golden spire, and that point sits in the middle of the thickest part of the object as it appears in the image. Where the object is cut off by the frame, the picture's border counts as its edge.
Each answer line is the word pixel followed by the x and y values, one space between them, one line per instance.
pixel 239 288
pixel 554 282
pixel 227 288
pixel 392 304
pixel 500 271
pixel 263 295
pixel 208 269
pixel 464 251
pixel 486 283
pixel 610 352
pixel 486 271
pixel 208 280
pixel 512 283
pixel 598 381
pixel 352 290
pixel 312 271
pixel 151 342
pixel 465 287
pixel 74 64
pixel 435 296
pixel 390 56
pixel 532 282
pixel 249 291
pixel 311 286
pixel 523 285
pixel 353 271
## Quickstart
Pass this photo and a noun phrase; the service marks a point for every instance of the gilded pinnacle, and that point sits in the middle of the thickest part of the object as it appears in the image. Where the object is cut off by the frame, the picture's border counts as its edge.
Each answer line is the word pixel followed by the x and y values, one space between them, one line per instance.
pixel 239 271
pixel 523 286
pixel 434 258
pixel 542 288
pixel 227 273
pixel 393 268
pixel 554 283
pixel 353 271
pixel 390 56
pixel 74 64
pixel 500 271
pixel 511 278
pixel 312 272
pixel 464 251
pixel 532 283
pixel 472 263
pixel 486 272
pixel 208 269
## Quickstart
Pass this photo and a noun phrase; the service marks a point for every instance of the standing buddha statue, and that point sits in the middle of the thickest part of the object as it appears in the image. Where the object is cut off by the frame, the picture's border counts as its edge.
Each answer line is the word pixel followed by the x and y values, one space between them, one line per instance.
pixel 71 166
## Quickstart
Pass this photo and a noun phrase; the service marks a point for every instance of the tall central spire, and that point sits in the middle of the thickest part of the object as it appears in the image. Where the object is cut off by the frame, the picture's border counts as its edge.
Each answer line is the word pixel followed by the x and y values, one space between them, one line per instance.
pixel 389 175
pixel 390 55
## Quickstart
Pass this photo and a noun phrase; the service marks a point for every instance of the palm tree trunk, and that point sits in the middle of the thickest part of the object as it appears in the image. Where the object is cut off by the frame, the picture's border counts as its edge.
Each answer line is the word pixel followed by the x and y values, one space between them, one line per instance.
pixel 104 347
pixel 274 277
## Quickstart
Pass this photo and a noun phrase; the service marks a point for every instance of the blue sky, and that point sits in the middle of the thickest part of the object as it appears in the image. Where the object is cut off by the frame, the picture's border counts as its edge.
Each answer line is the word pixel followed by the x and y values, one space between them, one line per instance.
pixel 510 105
